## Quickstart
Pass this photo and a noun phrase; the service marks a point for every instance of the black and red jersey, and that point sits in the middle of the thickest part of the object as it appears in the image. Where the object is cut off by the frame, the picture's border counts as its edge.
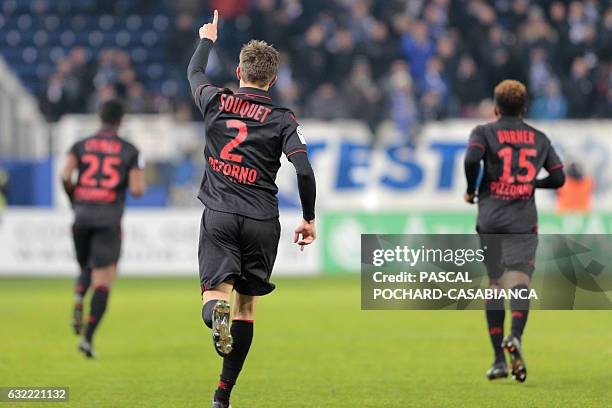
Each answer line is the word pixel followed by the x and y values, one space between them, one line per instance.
pixel 513 155
pixel 246 134
pixel 104 161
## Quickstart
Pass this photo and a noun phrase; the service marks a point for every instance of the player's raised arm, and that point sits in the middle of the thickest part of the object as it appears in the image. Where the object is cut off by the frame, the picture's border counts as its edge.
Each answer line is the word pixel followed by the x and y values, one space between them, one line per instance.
pixel 197 66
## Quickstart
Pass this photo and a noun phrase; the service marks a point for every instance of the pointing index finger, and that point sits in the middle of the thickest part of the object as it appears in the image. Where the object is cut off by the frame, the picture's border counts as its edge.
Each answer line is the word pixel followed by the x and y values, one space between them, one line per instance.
pixel 215 17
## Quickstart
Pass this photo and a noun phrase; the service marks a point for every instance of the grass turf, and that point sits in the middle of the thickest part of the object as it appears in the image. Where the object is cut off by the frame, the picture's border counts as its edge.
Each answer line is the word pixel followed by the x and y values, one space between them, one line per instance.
pixel 313 347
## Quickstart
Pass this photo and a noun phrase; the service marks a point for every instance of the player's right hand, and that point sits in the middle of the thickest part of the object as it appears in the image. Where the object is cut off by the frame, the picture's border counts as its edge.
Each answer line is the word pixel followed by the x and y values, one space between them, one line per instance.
pixel 469 198
pixel 308 232
pixel 209 30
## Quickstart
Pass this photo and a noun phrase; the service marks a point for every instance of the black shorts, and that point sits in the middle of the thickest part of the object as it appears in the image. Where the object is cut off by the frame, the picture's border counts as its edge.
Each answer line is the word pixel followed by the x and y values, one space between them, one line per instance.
pixel 504 252
pixel 97 247
pixel 236 247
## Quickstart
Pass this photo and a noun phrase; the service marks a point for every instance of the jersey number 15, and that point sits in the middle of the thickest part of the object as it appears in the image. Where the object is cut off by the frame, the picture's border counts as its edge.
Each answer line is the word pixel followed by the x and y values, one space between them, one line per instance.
pixel 506 154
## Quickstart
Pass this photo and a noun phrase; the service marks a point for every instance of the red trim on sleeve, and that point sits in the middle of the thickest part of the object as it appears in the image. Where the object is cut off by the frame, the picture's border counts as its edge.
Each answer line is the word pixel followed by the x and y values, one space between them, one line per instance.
pixel 297 151
pixel 476 144
pixel 198 89
pixel 556 166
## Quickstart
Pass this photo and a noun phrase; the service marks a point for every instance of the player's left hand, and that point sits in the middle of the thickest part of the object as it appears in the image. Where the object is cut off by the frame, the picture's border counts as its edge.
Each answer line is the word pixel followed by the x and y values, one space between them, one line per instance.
pixel 209 30
pixel 308 232
pixel 469 198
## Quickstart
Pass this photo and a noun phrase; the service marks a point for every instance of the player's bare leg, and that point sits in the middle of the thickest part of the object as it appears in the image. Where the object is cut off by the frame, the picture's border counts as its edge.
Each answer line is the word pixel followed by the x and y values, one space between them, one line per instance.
pixel 102 279
pixel 520 308
pixel 83 283
pixel 242 333
pixel 216 315
pixel 495 312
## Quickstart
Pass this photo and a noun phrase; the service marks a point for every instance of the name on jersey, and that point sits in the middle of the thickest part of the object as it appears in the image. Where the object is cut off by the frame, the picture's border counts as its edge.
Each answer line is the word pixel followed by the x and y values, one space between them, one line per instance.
pixel 94 195
pixel 508 191
pixel 246 109
pixel 516 137
pixel 103 146
pixel 235 172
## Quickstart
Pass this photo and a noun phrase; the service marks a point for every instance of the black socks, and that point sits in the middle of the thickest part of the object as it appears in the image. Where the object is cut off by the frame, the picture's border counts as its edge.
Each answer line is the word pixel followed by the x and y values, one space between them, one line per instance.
pixel 96 311
pixel 207 312
pixel 520 310
pixel 82 285
pixel 496 314
pixel 242 333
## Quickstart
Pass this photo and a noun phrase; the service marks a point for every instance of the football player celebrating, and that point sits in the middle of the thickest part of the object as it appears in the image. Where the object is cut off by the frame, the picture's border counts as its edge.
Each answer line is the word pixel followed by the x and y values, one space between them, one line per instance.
pixel 246 134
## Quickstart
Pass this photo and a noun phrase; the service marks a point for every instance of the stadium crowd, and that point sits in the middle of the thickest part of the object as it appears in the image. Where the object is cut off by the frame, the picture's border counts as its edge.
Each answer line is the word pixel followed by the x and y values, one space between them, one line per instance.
pixel 409 61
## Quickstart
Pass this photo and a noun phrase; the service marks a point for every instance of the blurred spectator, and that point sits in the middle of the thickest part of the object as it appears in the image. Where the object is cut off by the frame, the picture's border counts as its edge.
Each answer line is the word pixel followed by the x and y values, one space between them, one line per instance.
pixel 325 103
pixel 418 48
pixel 379 48
pixel 365 99
pixel 181 40
pixel 604 103
pixel 539 71
pixel 342 55
pixel 605 37
pixel 580 89
pixel 340 50
pixel 576 194
pixel 311 59
pixel 432 106
pixel 550 105
pixel 434 79
pixel 402 101
pixel 469 86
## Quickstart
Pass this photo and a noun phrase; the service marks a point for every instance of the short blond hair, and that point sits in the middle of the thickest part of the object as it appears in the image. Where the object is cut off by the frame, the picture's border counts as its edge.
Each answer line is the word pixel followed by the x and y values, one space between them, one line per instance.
pixel 259 62
pixel 510 97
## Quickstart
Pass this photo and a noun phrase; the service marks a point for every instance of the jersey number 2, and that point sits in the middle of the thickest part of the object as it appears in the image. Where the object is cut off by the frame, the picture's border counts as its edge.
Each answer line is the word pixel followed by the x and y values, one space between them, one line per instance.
pixel 109 171
pixel 242 135
pixel 506 155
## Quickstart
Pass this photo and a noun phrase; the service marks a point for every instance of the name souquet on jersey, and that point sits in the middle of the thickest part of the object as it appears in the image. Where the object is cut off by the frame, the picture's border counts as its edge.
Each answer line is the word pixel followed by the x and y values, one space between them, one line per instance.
pixel 246 109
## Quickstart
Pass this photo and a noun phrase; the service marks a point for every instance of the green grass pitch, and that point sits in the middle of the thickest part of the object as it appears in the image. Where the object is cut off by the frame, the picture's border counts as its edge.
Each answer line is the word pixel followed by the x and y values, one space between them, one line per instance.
pixel 313 347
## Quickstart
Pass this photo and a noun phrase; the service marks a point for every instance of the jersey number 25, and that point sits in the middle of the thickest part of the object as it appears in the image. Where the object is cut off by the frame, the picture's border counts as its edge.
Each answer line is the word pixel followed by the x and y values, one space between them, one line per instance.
pixel 110 171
